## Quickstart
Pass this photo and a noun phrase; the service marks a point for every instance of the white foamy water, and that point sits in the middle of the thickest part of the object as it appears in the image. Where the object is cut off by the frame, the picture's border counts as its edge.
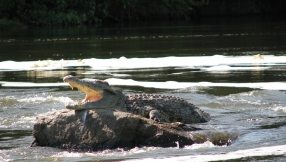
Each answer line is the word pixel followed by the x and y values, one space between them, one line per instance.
pixel 261 151
pixel 160 85
pixel 216 62
pixel 180 85
pixel 28 84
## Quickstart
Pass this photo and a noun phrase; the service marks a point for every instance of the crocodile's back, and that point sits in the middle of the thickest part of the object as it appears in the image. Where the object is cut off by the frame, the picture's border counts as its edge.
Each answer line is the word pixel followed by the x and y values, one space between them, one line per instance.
pixel 172 109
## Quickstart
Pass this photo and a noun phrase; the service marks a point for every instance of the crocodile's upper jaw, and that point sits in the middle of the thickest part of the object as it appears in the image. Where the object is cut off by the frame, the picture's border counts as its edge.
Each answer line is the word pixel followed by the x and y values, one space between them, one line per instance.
pixel 92 94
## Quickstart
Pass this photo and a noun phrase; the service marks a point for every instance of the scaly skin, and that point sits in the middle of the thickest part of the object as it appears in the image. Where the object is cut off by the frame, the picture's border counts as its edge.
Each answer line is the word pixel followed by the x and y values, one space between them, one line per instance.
pixel 99 95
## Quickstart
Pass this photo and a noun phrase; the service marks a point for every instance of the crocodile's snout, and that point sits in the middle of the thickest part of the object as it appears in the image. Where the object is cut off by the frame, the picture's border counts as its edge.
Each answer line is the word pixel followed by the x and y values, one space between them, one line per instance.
pixel 92 93
pixel 69 78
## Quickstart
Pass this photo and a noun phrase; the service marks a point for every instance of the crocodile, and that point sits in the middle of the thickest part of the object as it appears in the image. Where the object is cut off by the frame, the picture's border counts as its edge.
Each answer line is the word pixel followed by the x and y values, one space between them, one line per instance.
pixel 161 108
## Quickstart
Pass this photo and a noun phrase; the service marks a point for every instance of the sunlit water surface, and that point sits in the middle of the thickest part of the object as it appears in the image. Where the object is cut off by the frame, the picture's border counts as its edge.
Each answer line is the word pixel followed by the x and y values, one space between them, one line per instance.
pixel 244 92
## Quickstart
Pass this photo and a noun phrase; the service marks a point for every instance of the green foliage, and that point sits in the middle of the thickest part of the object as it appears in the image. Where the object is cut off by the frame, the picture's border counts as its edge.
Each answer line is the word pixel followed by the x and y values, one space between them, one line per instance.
pixel 77 12
pixel 10 24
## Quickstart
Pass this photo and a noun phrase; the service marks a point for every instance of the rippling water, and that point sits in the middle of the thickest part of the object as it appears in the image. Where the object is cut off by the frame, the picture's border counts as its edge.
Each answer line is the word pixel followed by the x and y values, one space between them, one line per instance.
pixel 212 66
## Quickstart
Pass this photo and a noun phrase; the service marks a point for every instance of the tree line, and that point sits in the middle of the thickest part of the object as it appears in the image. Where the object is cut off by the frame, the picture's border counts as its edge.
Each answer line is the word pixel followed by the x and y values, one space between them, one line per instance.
pixel 77 12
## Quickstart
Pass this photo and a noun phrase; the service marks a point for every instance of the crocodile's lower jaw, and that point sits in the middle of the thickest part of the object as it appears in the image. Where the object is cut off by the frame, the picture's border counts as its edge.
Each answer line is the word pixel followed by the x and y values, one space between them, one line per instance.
pixel 69 104
pixel 76 104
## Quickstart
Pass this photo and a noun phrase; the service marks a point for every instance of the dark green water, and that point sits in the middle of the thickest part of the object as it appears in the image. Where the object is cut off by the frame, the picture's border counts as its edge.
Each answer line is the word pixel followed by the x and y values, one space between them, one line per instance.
pixel 235 36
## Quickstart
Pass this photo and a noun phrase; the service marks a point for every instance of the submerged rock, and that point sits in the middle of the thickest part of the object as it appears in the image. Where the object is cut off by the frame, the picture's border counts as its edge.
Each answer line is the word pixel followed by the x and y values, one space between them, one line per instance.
pixel 108 129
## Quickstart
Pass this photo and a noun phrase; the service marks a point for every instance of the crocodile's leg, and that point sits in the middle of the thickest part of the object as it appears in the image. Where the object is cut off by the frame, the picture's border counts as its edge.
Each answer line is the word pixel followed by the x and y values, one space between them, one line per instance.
pixel 154 115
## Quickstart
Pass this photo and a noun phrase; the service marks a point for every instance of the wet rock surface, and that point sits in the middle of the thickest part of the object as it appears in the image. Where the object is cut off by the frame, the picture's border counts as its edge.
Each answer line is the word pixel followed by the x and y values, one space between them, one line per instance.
pixel 108 129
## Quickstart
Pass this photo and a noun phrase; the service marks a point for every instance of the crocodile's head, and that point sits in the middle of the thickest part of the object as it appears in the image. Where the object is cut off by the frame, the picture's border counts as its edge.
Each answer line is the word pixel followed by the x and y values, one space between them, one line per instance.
pixel 94 90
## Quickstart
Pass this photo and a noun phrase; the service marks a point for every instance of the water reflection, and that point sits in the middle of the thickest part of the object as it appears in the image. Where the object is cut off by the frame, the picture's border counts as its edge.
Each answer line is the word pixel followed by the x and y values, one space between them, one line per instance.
pixel 183 39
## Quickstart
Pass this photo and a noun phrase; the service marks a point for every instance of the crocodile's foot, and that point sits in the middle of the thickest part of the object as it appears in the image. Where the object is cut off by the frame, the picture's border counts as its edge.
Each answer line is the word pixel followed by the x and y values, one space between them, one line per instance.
pixel 154 115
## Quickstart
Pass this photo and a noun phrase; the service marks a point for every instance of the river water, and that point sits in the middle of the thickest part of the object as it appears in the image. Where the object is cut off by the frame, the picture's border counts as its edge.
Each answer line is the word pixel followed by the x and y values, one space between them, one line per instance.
pixel 234 69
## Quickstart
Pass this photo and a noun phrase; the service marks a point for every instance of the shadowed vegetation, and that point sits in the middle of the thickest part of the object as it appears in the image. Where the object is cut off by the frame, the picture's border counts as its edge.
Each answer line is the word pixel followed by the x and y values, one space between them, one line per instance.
pixel 20 13
pixel 77 12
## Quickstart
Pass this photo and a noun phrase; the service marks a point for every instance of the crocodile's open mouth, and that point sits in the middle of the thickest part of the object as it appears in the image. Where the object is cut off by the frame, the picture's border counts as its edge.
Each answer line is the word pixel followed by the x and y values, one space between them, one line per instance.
pixel 91 94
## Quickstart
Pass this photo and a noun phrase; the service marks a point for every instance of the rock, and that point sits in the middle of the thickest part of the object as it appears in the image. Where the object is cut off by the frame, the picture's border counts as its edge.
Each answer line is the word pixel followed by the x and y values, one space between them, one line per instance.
pixel 106 129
